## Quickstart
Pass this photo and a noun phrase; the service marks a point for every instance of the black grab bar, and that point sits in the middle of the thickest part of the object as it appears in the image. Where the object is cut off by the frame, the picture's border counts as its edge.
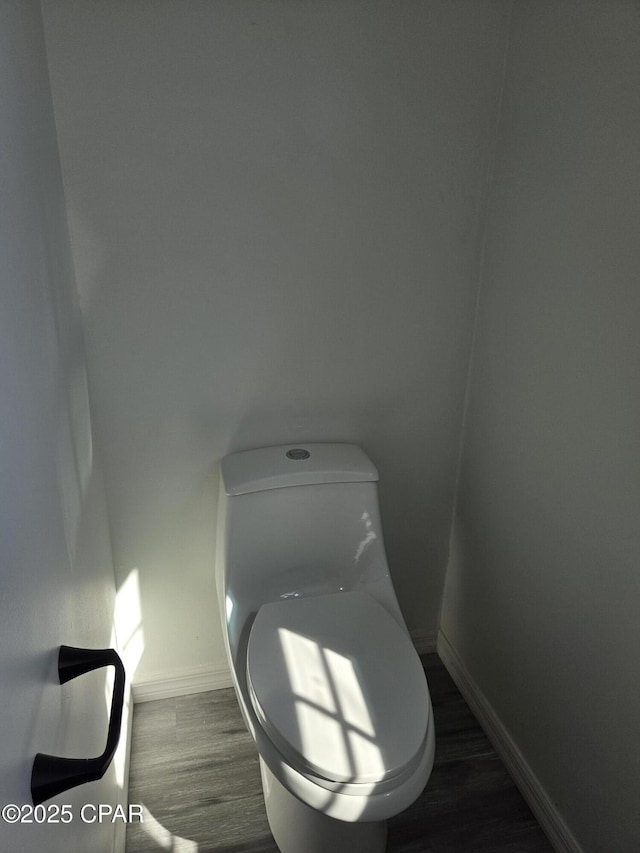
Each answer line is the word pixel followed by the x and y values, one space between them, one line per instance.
pixel 52 774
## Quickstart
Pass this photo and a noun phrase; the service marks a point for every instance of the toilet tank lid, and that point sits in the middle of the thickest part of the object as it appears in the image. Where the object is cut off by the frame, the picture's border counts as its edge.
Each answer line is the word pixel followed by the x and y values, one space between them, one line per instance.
pixel 295 465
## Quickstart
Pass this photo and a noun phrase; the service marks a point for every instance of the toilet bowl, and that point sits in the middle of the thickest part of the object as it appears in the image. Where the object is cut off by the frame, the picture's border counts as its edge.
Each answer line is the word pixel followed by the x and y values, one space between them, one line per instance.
pixel 327 678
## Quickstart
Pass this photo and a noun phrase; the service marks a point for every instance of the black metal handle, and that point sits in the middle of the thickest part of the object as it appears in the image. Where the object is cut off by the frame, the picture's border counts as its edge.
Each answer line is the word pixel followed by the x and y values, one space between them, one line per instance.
pixel 52 774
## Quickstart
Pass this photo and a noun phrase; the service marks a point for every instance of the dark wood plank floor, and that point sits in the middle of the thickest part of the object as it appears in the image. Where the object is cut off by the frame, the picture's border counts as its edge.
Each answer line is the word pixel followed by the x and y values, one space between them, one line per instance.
pixel 195 770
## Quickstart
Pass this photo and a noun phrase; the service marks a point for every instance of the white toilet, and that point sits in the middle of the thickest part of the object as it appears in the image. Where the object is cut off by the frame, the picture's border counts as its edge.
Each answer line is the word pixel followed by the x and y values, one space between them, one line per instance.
pixel 328 681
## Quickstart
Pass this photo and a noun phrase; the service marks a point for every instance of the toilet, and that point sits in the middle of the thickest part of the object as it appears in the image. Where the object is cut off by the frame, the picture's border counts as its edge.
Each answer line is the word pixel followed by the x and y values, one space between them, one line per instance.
pixel 328 681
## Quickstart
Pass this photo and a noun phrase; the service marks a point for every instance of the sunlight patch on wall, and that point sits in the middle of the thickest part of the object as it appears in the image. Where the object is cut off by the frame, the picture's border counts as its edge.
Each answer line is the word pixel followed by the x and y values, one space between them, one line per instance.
pixel 127 622
pixel 127 636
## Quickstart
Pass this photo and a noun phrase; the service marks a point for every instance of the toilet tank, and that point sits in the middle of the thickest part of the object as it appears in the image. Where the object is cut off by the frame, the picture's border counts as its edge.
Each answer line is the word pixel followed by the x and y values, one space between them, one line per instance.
pixel 278 467
pixel 299 520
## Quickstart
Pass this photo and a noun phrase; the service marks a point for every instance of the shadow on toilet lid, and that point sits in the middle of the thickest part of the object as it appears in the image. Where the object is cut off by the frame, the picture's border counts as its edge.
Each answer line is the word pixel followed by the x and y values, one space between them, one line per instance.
pixel 338 687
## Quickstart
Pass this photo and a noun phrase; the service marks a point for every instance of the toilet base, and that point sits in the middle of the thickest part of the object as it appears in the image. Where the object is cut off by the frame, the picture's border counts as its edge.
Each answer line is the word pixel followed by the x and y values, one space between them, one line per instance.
pixel 297 827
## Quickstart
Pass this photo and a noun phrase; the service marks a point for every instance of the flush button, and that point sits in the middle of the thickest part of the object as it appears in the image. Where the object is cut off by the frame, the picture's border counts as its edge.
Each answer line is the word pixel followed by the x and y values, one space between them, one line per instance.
pixel 298 453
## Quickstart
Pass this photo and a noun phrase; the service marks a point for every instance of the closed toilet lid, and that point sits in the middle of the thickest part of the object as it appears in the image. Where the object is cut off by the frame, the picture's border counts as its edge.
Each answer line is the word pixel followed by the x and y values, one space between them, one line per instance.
pixel 338 687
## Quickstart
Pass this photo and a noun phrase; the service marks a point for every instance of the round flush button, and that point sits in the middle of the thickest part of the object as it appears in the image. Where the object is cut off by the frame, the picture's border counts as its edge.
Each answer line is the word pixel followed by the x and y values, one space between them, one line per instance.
pixel 298 453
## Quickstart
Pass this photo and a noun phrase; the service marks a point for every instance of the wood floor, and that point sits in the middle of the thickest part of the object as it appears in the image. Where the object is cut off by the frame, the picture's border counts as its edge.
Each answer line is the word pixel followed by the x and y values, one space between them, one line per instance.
pixel 195 770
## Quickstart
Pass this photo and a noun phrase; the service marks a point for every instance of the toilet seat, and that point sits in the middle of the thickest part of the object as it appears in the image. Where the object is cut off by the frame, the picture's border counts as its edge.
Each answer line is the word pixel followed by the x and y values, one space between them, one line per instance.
pixel 339 689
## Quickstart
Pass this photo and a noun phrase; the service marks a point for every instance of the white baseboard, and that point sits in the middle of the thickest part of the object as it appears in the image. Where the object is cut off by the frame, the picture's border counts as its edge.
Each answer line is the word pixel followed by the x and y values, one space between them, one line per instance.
pixel 182 683
pixel 546 813
pixel 200 679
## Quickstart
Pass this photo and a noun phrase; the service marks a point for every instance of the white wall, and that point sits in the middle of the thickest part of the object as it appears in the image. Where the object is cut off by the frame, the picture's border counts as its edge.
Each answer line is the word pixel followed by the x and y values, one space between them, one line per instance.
pixel 543 590
pixel 276 216
pixel 57 584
